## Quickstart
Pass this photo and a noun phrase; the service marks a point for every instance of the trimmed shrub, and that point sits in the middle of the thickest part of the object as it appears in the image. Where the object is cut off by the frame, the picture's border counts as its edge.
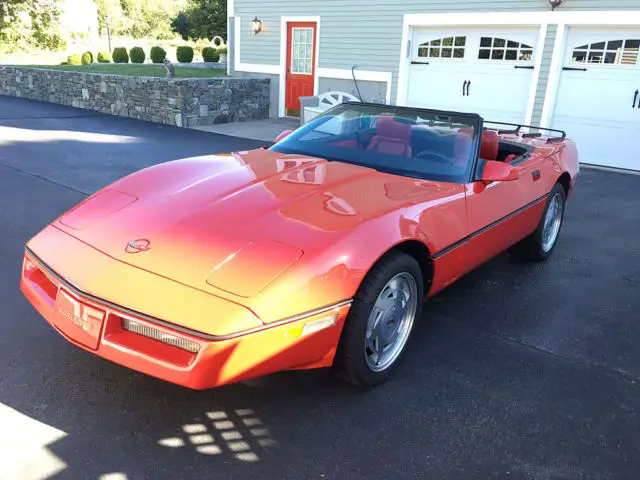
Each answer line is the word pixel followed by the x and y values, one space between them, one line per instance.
pixel 137 55
pixel 120 55
pixel 210 54
pixel 74 59
pixel 157 54
pixel 222 49
pixel 87 58
pixel 184 54
pixel 104 57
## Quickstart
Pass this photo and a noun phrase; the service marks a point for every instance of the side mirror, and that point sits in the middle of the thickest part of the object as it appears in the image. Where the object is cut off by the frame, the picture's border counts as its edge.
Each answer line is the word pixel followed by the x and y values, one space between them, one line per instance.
pixel 284 134
pixel 498 172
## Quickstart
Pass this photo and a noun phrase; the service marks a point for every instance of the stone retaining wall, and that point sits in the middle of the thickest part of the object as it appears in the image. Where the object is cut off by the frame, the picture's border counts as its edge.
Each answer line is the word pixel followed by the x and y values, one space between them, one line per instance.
pixel 184 102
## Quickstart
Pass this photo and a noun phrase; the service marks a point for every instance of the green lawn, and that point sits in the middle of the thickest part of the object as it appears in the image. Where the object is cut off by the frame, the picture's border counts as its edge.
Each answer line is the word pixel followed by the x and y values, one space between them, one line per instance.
pixel 146 70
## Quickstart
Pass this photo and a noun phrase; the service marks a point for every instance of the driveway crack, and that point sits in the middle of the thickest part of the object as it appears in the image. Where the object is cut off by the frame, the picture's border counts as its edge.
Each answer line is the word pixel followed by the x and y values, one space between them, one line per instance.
pixel 44 179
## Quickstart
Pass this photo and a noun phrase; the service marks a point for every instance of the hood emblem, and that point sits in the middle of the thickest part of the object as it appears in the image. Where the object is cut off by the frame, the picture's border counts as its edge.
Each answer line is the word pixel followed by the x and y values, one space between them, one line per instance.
pixel 137 246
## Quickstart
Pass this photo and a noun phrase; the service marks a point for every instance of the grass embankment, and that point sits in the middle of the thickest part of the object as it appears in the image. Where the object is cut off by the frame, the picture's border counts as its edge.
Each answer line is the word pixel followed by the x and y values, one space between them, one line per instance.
pixel 144 70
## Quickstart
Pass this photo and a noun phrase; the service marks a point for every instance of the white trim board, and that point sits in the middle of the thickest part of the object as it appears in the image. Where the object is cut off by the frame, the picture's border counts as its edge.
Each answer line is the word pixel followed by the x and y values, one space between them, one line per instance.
pixel 283 58
pixel 363 75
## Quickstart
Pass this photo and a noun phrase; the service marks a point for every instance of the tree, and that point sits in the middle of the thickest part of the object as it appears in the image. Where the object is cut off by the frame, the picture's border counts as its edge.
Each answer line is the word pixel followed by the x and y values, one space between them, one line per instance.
pixel 180 25
pixel 204 19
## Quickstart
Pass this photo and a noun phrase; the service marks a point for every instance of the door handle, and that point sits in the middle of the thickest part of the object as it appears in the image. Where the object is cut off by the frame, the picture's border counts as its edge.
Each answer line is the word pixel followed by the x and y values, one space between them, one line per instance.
pixel 635 97
pixel 525 67
pixel 574 69
pixel 468 86
pixel 464 87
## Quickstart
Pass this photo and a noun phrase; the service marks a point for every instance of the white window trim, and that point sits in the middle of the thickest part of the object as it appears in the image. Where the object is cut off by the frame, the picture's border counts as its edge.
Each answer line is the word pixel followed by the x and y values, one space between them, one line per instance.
pixel 541 19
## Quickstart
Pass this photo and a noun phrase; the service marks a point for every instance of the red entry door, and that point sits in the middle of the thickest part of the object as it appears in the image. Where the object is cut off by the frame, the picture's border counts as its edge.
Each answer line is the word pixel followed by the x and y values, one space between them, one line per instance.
pixel 301 64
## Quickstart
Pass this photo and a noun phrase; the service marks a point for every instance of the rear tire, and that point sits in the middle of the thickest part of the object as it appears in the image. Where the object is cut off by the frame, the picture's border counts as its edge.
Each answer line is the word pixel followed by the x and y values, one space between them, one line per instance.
pixel 538 246
pixel 380 321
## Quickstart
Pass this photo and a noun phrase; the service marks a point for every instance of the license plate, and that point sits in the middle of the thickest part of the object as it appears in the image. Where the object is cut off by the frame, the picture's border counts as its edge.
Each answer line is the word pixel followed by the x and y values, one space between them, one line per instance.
pixel 78 321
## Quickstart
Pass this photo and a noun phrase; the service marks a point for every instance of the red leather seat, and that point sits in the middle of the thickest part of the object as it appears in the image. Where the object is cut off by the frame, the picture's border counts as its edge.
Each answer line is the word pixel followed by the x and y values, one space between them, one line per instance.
pixel 391 137
pixel 490 145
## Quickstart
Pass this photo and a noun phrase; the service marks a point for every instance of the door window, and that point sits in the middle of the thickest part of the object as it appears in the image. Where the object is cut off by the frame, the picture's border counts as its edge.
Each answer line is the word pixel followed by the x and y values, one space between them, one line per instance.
pixel 302 51
pixel 612 52
pixel 493 48
pixel 449 47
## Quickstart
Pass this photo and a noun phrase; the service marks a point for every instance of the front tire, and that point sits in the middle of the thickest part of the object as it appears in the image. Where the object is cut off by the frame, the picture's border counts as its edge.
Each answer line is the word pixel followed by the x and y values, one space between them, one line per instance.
pixel 380 321
pixel 538 246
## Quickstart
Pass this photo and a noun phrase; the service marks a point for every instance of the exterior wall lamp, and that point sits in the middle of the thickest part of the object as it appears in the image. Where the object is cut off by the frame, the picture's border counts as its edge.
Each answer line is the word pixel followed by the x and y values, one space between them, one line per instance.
pixel 257 25
pixel 555 3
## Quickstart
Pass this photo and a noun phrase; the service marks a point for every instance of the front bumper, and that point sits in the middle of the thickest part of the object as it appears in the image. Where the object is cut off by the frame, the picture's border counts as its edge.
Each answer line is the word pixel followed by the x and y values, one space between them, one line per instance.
pixel 191 359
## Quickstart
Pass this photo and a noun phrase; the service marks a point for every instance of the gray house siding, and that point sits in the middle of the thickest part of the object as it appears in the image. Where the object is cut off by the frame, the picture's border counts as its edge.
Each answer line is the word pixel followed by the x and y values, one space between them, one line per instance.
pixel 547 52
pixel 369 34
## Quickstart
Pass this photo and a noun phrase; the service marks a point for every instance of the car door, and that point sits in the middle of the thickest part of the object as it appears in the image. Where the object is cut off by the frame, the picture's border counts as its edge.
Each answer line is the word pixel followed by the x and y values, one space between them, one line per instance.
pixel 503 212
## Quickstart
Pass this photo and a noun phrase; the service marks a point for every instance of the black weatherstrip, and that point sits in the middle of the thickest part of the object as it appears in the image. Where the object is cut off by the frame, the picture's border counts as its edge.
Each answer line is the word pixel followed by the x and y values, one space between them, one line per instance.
pixel 488 227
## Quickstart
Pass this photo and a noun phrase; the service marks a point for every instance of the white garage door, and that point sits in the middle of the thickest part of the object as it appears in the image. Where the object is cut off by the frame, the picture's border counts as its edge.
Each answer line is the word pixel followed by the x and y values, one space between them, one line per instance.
pixel 598 100
pixel 486 71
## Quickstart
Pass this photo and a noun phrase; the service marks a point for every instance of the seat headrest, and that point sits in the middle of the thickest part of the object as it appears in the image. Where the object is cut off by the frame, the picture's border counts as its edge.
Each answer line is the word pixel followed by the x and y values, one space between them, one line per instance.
pixel 490 145
pixel 387 126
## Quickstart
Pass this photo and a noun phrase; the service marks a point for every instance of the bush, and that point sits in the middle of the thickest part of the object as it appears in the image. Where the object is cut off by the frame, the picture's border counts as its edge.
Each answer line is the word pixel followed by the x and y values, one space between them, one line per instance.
pixel 210 54
pixel 120 55
pixel 137 55
pixel 184 54
pixel 87 58
pixel 74 59
pixel 222 49
pixel 157 54
pixel 104 57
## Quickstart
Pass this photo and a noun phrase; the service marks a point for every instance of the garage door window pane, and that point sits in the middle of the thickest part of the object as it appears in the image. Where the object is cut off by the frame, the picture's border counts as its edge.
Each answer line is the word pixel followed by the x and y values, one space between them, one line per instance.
pixel 461 41
pixel 497 55
pixel 579 56
pixel 511 55
pixel 447 42
pixel 423 51
pixel 610 57
pixel 447 52
pixel 458 53
pixel 434 53
pixel 526 55
pixel 485 42
pixel 597 46
pixel 614 45
pixel 595 57
pixel 485 54
pixel 436 42
pixel 499 42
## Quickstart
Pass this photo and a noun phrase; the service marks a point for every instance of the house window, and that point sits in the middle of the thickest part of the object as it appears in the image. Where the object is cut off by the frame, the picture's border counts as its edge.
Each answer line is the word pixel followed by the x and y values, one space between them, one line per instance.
pixel 613 52
pixel 492 48
pixel 449 47
pixel 302 51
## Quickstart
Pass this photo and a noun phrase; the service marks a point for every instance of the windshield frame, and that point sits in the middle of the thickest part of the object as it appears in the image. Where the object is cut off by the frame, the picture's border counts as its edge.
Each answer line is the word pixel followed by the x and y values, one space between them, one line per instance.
pixel 471 119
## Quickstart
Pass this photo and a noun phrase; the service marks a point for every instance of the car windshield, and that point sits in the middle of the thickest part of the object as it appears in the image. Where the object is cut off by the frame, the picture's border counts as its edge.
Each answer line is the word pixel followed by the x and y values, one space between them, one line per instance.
pixel 417 143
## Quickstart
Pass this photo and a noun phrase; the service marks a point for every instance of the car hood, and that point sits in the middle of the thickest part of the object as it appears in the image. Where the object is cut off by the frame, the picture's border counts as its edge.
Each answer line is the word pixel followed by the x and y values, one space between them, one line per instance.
pixel 236 222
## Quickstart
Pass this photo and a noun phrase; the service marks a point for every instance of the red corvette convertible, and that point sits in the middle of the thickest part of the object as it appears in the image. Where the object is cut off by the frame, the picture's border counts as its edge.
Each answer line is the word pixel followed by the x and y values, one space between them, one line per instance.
pixel 315 252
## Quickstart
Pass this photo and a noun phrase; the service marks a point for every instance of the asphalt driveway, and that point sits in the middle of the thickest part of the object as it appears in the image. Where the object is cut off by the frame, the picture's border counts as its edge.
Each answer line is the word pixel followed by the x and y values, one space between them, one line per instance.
pixel 517 371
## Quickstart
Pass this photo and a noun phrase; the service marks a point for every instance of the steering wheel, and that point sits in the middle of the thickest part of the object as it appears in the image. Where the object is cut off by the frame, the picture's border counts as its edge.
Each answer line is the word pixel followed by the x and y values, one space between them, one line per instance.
pixel 436 156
